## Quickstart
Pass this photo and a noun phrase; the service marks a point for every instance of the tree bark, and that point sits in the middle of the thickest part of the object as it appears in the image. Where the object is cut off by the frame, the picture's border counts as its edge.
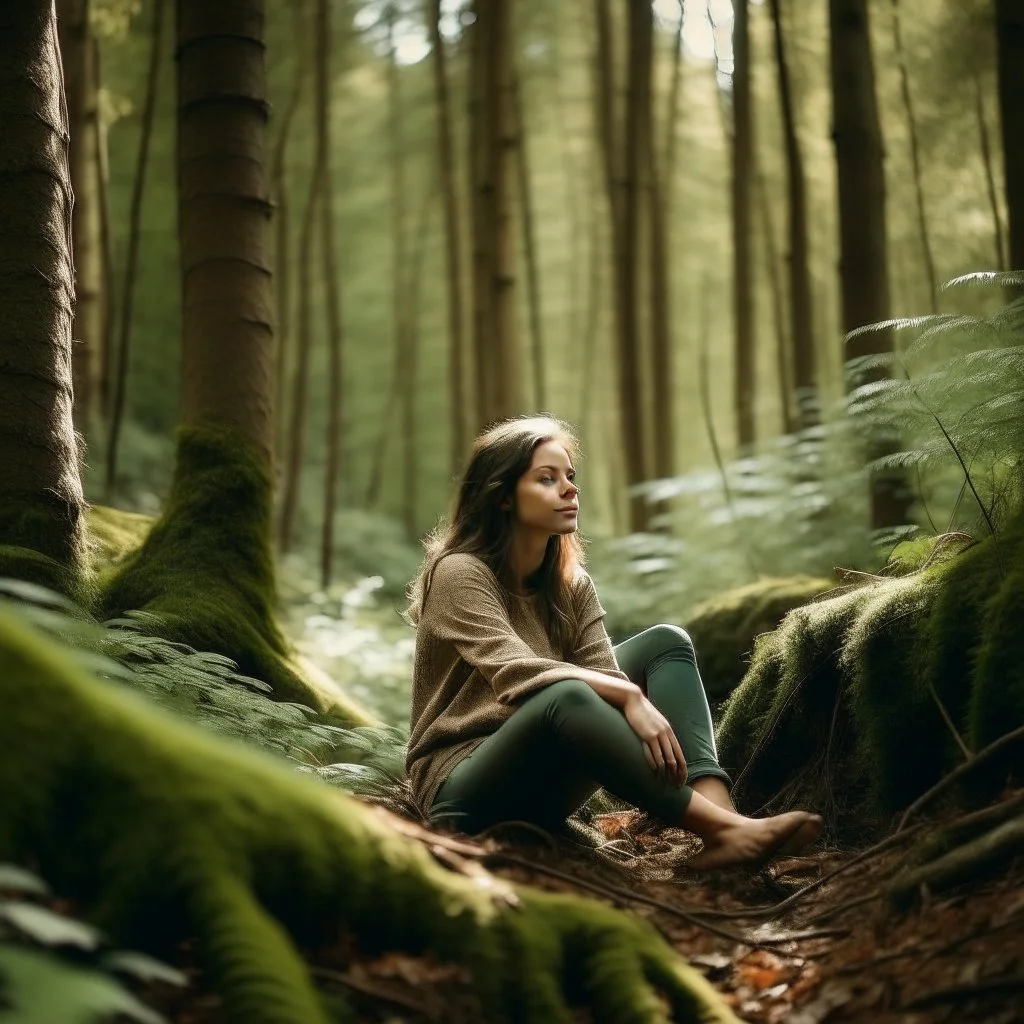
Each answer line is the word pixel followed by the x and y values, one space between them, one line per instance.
pixel 223 210
pixel 41 502
pixel 1010 70
pixel 493 154
pixel 453 245
pixel 335 380
pixel 742 230
pixel 915 157
pixel 105 371
pixel 120 367
pixel 864 277
pixel 282 227
pixel 529 246
pixel 804 369
pixel 990 177
pixel 80 87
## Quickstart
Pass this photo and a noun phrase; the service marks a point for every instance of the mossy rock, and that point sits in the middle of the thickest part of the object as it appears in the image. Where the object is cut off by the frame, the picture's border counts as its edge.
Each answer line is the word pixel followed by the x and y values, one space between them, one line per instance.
pixel 723 628
pixel 161 833
pixel 206 570
pixel 847 695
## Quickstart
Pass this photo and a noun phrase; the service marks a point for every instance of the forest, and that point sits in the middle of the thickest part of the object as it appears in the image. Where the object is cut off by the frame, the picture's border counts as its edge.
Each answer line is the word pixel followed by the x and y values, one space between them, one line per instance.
pixel 267 270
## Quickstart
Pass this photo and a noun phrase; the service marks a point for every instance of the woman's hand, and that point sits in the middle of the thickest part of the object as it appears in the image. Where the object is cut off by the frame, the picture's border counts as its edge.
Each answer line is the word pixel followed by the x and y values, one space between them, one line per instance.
pixel 661 748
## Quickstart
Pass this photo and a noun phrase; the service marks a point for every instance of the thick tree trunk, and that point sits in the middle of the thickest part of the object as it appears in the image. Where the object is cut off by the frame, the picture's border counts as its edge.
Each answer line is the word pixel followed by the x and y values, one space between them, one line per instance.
pixel 742 230
pixel 804 370
pixel 915 157
pixel 41 503
pixel 80 86
pixel 864 276
pixel 335 368
pixel 223 209
pixel 453 246
pixel 1010 64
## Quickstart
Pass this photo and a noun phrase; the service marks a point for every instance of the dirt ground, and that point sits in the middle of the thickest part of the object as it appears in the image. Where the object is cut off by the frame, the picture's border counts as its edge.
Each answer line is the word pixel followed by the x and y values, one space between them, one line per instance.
pixel 840 950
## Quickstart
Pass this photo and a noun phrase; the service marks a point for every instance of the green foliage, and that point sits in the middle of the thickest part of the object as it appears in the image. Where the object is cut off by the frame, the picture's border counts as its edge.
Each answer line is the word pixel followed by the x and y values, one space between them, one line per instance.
pixel 206 571
pixel 56 968
pixel 177 835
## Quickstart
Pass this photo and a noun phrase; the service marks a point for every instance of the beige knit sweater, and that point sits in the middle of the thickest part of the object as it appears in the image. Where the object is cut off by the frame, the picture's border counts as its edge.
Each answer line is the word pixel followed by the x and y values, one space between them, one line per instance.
pixel 475 661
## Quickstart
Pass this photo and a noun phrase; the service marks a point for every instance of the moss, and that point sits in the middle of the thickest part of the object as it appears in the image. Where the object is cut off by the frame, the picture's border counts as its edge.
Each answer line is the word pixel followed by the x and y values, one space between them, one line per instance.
pixel 162 833
pixel 113 535
pixel 206 569
pixel 724 627
pixel 868 675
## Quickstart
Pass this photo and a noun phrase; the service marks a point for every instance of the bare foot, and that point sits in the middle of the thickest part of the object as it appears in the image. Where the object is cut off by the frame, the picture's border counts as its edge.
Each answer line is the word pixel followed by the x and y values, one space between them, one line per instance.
pixel 754 841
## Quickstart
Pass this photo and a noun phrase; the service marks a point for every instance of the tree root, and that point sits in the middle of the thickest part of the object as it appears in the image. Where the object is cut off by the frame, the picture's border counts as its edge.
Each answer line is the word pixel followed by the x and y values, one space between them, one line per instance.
pixel 206 571
pixel 971 860
pixel 163 833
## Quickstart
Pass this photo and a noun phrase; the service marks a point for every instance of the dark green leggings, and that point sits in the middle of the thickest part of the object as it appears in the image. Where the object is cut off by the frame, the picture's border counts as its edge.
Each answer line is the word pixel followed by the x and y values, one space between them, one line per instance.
pixel 565 741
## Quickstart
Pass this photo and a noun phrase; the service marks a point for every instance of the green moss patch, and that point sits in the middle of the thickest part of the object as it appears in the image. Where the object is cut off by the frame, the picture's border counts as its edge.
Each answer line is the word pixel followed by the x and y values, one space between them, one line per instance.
pixel 206 570
pixel 724 627
pixel 161 833
pixel 848 694
pixel 113 535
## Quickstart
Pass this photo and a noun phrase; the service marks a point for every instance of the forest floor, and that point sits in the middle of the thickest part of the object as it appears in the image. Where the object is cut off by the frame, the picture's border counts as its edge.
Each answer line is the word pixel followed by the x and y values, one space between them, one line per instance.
pixel 838 952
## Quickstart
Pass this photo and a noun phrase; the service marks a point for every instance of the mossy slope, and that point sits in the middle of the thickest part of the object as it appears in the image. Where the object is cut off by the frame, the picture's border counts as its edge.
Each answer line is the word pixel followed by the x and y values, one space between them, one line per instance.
pixel 206 569
pixel 724 627
pixel 845 696
pixel 161 832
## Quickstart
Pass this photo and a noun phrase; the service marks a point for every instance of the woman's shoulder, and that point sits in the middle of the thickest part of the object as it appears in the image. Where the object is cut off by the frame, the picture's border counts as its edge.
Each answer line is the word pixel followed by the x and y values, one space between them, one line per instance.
pixel 455 567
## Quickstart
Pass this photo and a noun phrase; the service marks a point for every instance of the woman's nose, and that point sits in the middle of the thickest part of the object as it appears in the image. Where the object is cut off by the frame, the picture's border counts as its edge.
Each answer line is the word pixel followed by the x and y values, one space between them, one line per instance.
pixel 571 490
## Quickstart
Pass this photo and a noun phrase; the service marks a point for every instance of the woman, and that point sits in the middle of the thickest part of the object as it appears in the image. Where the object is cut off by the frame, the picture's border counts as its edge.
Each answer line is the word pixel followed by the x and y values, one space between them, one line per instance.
pixel 521 708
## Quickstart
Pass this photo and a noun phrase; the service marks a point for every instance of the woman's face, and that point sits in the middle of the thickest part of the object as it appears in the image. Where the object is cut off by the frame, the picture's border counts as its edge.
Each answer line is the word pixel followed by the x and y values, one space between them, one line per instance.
pixel 546 497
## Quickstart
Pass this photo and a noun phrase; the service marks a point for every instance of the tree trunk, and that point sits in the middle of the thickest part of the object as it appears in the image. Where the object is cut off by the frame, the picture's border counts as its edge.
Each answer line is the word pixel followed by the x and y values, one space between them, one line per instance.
pixel 804 370
pixel 41 503
pixel 120 369
pixel 282 232
pixel 915 157
pixel 771 259
pixel 335 380
pixel 80 87
pixel 529 245
pixel 864 277
pixel 453 246
pixel 493 153
pixel 742 230
pixel 105 371
pixel 1010 65
pixel 990 176
pixel 223 208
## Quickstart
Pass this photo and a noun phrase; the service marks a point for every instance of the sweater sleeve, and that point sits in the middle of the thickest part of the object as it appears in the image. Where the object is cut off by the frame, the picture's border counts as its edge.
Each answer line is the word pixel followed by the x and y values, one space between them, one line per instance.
pixel 594 647
pixel 463 607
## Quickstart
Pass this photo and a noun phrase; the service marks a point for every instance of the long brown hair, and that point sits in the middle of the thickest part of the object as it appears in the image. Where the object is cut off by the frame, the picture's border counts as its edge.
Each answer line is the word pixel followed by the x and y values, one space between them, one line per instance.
pixel 483 519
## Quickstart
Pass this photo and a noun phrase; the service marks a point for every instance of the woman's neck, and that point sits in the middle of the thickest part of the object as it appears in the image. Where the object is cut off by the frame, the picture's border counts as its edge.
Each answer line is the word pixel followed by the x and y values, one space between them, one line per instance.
pixel 528 550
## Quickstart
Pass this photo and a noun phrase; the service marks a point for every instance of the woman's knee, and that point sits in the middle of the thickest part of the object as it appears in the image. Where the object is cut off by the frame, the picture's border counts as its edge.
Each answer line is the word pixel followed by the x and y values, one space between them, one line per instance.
pixel 571 694
pixel 667 637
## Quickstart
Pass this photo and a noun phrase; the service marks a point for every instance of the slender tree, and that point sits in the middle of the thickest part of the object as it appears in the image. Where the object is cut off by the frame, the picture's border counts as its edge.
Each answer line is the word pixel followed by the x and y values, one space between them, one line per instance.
pixel 804 361
pixel 106 353
pixel 529 244
pixel 332 287
pixel 120 369
pixel 42 511
pixel 1010 71
pixel 864 276
pixel 453 244
pixel 991 190
pixel 80 87
pixel 915 156
pixel 282 226
pixel 742 228
pixel 492 157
